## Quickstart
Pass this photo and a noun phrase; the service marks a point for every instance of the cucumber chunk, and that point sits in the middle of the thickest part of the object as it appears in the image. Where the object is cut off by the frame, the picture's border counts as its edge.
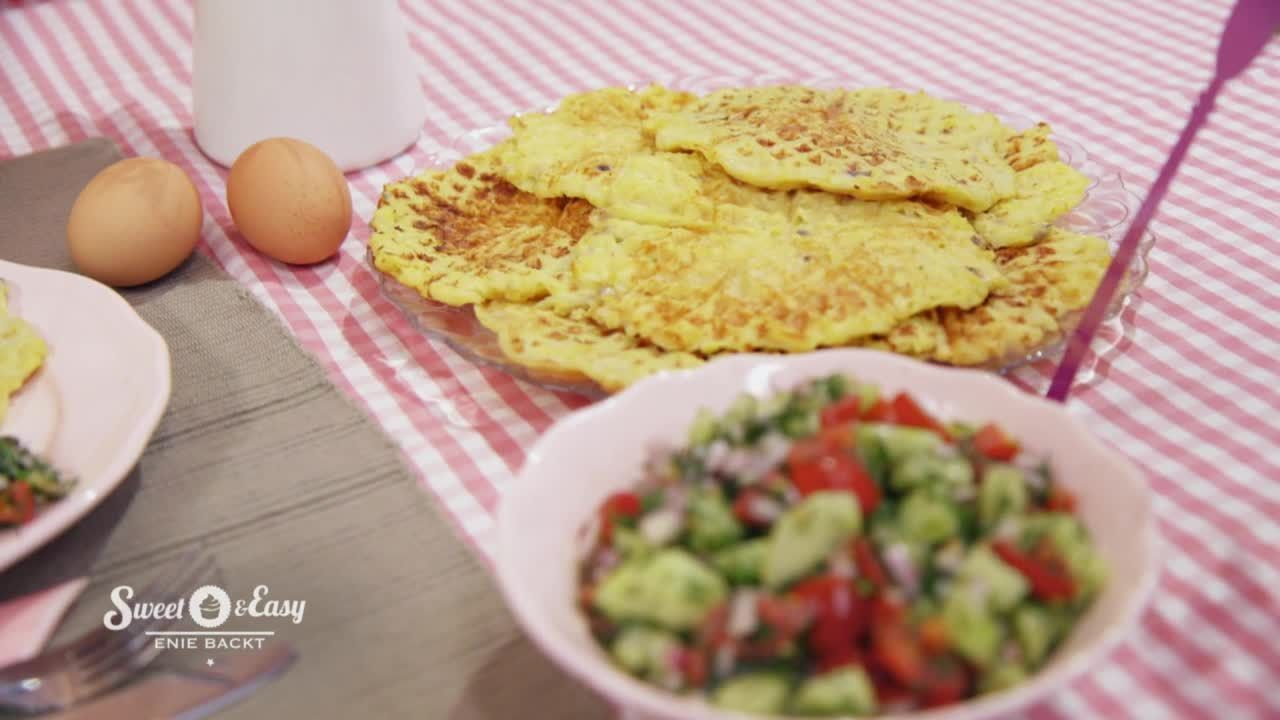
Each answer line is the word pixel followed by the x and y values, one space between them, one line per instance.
pixel 643 651
pixel 807 533
pixel 704 428
pixel 742 563
pixel 927 520
pixel 972 631
pixel 847 690
pixel 1037 630
pixel 1001 677
pixel 755 692
pixel 671 589
pixel 902 442
pixel 1004 587
pixel 1003 491
pixel 712 524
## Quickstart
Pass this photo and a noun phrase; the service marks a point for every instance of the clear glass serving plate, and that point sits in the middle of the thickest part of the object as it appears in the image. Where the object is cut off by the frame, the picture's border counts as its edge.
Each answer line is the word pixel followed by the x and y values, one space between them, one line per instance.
pixel 1105 212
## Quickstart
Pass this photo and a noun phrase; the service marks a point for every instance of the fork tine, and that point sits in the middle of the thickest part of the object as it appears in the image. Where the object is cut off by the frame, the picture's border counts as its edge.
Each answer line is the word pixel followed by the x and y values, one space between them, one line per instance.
pixel 102 659
pixel 113 664
pixel 161 589
pixel 136 635
pixel 104 639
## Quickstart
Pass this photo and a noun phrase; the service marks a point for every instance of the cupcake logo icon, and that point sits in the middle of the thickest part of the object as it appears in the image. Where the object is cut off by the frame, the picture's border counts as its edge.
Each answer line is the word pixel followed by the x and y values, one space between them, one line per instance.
pixel 209 606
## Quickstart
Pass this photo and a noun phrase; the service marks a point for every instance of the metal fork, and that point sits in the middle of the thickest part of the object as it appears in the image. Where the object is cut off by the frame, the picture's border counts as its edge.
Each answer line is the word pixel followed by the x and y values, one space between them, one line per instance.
pixel 101 659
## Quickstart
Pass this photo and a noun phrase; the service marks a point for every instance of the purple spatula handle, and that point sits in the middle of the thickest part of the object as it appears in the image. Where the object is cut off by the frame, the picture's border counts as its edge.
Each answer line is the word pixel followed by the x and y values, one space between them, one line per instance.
pixel 1247 31
pixel 1078 345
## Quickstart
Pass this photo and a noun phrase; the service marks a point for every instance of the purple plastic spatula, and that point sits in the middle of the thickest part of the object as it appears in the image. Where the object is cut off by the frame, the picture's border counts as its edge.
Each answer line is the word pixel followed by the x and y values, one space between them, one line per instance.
pixel 1246 32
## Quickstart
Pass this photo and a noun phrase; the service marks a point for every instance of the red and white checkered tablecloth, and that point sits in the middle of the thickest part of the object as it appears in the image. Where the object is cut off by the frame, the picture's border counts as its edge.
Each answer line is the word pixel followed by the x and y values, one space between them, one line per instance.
pixel 1193 398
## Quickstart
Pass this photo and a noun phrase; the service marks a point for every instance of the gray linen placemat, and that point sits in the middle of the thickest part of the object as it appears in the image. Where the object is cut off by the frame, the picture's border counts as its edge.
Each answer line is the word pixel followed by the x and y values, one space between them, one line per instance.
pixel 264 462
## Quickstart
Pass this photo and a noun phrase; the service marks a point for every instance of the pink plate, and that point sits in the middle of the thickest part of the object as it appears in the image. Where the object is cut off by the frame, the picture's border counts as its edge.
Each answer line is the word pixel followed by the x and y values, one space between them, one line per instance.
pixel 593 452
pixel 93 406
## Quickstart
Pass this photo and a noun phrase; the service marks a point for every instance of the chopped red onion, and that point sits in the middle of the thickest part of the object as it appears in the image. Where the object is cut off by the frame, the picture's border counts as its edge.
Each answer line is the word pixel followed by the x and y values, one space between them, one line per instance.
pixel 603 563
pixel 765 508
pixel 676 498
pixel 790 495
pixel 950 557
pixel 840 564
pixel 662 526
pixel 724 659
pixel 773 449
pixel 897 558
pixel 717 454
pixel 1012 652
pixel 743 618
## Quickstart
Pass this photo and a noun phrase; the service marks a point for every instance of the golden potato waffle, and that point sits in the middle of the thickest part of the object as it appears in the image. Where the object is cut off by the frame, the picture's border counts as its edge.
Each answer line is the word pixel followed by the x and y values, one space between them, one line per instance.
pixel 629 232
pixel 1045 192
pixel 875 144
pixel 791 282
pixel 465 235
pixel 537 338
pixel 1030 147
pixel 593 146
pixel 1048 281
pixel 22 352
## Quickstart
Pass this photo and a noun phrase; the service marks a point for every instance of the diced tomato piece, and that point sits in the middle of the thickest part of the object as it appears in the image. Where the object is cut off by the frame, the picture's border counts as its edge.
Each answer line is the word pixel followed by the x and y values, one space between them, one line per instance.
pixel 841 412
pixel 693 666
pixel 863 485
pixel 1048 579
pixel 24 501
pixel 807 450
pixel 820 591
pixel 617 506
pixel 896 652
pixel 880 412
pixel 781 620
pixel 933 636
pixel 889 692
pixel 995 443
pixel 833 634
pixel 840 438
pixel 839 615
pixel 869 568
pixel 812 477
pixel 946 682
pixel 786 615
pixel 714 630
pixel 836 471
pixel 1060 499
pixel 907 412
pixel 887 612
pixel 828 595
pixel 623 504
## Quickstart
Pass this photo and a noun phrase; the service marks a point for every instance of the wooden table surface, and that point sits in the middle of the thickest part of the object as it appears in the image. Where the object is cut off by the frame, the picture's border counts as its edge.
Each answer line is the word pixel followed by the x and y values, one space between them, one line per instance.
pixel 266 465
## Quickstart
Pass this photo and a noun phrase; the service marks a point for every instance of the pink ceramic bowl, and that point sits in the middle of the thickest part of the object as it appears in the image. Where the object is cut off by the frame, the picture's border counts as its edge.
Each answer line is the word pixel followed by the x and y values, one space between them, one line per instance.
pixel 593 452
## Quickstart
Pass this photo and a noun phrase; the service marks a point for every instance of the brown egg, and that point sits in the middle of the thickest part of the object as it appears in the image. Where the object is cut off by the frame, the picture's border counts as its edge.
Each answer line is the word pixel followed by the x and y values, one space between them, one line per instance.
pixel 134 222
pixel 289 200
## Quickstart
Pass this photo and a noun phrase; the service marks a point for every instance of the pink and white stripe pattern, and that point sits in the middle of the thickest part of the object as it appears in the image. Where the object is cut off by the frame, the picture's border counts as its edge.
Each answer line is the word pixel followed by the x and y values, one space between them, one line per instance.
pixel 1193 398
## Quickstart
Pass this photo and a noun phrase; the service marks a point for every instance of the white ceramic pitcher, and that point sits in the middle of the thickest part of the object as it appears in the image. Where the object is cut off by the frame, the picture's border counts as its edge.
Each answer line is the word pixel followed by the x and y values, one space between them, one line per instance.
pixel 338 74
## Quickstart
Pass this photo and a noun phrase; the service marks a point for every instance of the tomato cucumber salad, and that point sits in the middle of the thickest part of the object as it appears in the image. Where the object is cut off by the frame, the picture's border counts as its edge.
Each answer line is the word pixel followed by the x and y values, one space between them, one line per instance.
pixel 834 551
